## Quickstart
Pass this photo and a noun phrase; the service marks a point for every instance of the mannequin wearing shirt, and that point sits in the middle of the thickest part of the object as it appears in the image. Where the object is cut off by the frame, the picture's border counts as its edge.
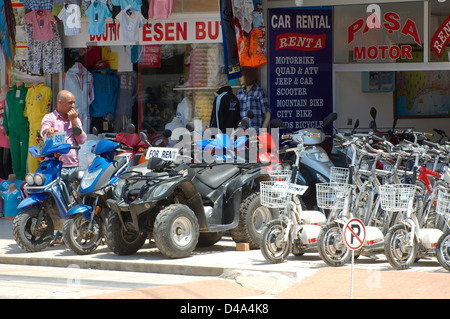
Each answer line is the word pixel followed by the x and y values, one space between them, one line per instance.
pixel 253 98
pixel 38 103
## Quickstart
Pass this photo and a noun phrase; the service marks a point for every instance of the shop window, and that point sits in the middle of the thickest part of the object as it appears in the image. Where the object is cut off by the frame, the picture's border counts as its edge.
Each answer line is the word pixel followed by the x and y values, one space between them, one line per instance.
pixel 171 85
pixel 439 31
pixel 383 33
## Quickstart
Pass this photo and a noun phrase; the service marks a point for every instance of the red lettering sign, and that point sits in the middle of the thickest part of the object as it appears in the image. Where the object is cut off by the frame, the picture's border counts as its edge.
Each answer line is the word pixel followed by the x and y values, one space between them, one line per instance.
pixel 392 24
pixel 441 37
pixel 301 42
pixel 374 52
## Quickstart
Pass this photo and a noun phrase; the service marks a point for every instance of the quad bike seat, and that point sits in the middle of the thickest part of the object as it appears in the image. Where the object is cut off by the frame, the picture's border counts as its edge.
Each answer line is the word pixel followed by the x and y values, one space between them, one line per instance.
pixel 217 175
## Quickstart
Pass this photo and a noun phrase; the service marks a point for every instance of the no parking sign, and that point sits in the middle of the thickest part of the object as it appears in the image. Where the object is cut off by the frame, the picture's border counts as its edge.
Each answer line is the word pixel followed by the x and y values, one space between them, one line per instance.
pixel 354 234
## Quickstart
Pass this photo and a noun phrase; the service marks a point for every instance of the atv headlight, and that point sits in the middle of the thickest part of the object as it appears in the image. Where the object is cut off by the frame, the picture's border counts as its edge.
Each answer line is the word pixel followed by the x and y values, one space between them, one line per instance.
pixel 89 178
pixel 39 179
pixel 29 179
pixel 160 190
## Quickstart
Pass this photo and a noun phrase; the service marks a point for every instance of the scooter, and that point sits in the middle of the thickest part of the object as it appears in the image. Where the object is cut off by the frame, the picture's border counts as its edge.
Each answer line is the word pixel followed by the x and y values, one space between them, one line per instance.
pixel 48 199
pixel 296 228
pixel 315 164
pixel 83 226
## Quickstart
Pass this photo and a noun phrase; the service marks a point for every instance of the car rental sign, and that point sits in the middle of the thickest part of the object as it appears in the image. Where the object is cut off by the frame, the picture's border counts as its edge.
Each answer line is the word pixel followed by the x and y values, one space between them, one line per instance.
pixel 300 65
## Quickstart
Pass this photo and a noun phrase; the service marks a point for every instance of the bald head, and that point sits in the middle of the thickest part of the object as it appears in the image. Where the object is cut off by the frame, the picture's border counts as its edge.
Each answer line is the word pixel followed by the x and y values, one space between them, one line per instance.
pixel 65 102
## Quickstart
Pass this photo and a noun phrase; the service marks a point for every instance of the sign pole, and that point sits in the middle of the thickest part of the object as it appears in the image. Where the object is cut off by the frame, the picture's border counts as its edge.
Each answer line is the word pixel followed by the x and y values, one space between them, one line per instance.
pixel 354 236
pixel 351 278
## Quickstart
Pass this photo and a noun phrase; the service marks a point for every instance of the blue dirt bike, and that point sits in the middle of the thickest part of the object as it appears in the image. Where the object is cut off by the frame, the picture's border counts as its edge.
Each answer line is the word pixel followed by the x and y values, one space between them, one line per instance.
pixel 83 227
pixel 48 200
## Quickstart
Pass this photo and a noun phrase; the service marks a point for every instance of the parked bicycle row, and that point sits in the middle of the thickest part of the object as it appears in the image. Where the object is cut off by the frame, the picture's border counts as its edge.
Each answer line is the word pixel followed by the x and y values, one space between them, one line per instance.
pixel 399 192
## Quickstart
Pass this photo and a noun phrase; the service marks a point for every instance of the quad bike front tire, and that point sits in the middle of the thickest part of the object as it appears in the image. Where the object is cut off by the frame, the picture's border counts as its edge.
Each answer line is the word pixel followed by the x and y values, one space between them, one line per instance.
pixel 176 231
pixel 120 240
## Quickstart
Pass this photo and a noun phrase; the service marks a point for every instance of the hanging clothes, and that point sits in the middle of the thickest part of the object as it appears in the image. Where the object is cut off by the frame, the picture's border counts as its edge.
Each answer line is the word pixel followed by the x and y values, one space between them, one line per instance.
pixel 97 14
pixel 44 56
pixel 4 34
pixel 160 9
pixel 243 12
pixel 5 153
pixel 38 4
pixel 127 97
pixel 134 4
pixel 16 127
pixel 38 103
pixel 251 48
pixel 80 82
pixel 130 22
pixel 41 20
pixel 70 15
pixel 106 87
pixel 231 53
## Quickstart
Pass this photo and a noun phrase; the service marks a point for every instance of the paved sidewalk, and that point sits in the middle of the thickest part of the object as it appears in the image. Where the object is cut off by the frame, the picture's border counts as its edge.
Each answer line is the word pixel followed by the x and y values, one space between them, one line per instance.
pixel 245 274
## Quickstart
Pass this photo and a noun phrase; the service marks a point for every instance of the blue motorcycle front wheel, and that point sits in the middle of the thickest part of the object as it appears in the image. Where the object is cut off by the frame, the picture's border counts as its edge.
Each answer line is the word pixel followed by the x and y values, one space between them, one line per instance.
pixel 31 233
pixel 81 237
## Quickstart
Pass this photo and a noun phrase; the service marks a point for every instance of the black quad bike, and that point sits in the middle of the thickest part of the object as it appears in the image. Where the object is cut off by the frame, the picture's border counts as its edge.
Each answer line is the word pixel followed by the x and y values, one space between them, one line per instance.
pixel 185 206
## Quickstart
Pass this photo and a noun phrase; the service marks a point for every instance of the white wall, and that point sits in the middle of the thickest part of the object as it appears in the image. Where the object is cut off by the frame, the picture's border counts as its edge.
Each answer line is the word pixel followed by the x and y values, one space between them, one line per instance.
pixel 352 103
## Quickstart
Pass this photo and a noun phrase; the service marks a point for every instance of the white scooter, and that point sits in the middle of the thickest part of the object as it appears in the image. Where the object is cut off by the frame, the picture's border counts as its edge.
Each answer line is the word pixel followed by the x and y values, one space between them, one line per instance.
pixel 296 227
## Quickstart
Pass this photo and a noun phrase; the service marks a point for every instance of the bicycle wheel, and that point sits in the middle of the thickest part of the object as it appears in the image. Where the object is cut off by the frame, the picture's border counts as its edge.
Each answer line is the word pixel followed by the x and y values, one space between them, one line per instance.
pixel 443 250
pixel 331 246
pixel 398 249
pixel 273 246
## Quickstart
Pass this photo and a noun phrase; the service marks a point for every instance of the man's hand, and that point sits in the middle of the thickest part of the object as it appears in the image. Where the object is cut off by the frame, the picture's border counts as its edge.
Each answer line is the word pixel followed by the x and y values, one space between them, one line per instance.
pixel 49 132
pixel 72 115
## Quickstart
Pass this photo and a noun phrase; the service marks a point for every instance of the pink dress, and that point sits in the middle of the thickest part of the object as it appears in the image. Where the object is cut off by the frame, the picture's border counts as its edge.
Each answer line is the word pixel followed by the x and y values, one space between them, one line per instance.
pixel 4 141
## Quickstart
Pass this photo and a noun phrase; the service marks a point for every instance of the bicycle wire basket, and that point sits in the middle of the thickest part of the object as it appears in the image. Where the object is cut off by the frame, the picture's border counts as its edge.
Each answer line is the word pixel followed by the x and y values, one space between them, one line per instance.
pixel 283 175
pixel 397 197
pixel 443 202
pixel 272 196
pixel 339 174
pixel 332 195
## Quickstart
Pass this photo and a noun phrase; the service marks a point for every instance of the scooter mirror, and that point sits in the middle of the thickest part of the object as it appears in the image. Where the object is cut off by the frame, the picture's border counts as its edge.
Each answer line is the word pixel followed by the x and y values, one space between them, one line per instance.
pixel 330 118
pixel 277 123
pixel 190 126
pixel 167 133
pixel 373 112
pixel 94 131
pixel 131 129
pixel 250 114
pixel 76 130
pixel 144 137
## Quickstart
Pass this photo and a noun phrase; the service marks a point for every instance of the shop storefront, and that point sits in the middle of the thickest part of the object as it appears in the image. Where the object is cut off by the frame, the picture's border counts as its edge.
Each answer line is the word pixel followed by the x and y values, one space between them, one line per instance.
pixel 322 55
pixel 391 55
